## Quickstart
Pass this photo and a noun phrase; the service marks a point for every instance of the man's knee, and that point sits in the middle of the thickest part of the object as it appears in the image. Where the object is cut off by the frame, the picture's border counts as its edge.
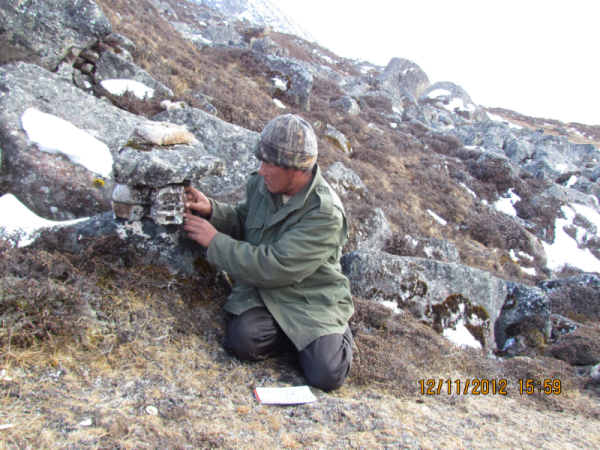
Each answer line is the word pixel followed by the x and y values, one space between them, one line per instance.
pixel 242 341
pixel 326 379
pixel 327 361
pixel 255 335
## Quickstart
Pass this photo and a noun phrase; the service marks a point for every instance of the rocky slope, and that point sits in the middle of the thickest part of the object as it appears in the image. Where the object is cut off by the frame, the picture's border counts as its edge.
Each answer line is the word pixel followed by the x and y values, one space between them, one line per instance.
pixel 481 223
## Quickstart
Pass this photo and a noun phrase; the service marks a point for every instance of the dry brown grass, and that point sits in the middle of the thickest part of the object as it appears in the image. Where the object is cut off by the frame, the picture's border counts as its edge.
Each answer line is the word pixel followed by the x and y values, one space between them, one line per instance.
pixel 155 339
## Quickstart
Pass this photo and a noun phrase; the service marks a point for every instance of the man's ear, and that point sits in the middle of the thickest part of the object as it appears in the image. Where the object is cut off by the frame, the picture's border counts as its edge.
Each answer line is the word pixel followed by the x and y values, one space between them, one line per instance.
pixel 297 173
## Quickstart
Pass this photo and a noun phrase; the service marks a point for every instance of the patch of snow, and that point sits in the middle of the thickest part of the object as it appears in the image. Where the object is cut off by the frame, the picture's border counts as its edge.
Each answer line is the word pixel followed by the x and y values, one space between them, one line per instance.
pixel 318 53
pixel 509 343
pixel 562 167
pixel 438 93
pixel 437 218
pixel 199 39
pixel 279 103
pixel 505 205
pixel 374 127
pixel 119 87
pixel 529 271
pixel 461 336
pixel 497 118
pixel 393 124
pixel 15 216
pixel 571 181
pixel 279 83
pixel 396 110
pixel 565 250
pixel 55 135
pixel 525 255
pixel 392 305
pixel 468 190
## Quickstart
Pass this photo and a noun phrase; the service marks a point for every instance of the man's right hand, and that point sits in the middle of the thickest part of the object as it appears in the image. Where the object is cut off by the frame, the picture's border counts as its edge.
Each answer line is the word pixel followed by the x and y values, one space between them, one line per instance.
pixel 197 201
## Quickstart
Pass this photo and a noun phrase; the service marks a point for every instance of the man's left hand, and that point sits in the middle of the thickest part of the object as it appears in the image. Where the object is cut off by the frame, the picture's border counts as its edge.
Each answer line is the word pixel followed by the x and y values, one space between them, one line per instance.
pixel 198 229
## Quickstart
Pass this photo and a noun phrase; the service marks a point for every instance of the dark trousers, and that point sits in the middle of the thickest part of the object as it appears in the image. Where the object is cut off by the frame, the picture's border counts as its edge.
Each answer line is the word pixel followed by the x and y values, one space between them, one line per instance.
pixel 255 335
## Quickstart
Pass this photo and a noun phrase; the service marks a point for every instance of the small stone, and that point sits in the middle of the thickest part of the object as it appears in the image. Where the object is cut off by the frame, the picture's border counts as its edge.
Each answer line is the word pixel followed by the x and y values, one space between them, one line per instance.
pixel 162 133
pixel 87 68
pixel 595 372
pixel 89 55
pixel 338 139
pixel 152 410
pixel 85 423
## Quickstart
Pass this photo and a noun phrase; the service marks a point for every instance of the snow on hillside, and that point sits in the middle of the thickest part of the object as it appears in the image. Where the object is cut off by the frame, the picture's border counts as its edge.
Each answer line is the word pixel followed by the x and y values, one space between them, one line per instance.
pixel 16 216
pixel 55 135
pixel 261 12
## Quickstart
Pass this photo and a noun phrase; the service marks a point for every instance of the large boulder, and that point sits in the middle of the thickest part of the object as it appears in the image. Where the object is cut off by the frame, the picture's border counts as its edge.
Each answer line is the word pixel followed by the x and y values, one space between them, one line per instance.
pixel 113 67
pixel 268 46
pixel 42 31
pixel 524 321
pixel 52 185
pixel 347 105
pixel 231 143
pixel 568 196
pixel 403 76
pixel 550 156
pixel 160 167
pixel 448 296
pixel 587 187
pixel 300 78
pixel 453 98
pixel 222 35
pixel 373 233
pixel 581 154
pixel 154 243
pixel 337 138
pixel 345 181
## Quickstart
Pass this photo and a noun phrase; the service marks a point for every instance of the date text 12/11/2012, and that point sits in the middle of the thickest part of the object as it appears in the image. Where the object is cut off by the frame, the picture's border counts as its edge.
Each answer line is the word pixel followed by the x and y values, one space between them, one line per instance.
pixel 487 387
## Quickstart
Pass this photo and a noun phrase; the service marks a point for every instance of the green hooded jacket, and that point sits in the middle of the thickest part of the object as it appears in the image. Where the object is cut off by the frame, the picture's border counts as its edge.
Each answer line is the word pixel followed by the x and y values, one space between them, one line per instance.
pixel 286 257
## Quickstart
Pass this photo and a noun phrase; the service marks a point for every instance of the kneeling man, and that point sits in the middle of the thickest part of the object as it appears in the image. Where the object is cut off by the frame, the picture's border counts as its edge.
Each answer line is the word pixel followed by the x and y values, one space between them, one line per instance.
pixel 282 246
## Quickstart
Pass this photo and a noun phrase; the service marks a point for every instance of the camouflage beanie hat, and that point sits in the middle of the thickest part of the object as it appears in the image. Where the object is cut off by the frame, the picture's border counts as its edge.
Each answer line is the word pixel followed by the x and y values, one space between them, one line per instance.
pixel 287 141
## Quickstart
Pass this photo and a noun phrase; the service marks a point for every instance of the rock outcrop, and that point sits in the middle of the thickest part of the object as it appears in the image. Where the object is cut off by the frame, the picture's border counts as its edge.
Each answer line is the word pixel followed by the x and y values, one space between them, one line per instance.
pixel 401 77
pixel 231 143
pixel 524 321
pixel 449 96
pixel 155 243
pixel 52 185
pixel 43 31
pixel 301 80
pixel 432 290
pixel 114 67
pixel 345 181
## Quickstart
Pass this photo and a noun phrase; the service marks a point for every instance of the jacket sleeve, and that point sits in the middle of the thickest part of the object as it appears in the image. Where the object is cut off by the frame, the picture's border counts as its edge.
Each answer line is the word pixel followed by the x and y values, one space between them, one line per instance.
pixel 231 220
pixel 300 251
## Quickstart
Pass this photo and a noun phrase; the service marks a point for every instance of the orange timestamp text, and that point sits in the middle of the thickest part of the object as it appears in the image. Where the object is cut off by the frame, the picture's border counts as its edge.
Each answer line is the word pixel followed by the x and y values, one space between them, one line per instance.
pixel 487 387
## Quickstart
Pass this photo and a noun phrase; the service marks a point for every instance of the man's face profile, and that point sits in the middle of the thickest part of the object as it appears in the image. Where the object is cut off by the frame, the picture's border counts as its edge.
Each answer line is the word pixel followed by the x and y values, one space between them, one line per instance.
pixel 277 179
